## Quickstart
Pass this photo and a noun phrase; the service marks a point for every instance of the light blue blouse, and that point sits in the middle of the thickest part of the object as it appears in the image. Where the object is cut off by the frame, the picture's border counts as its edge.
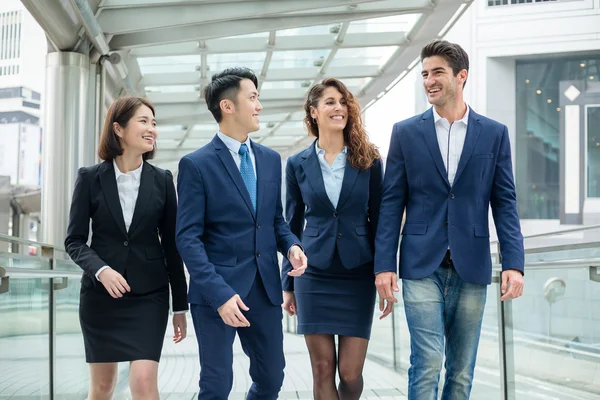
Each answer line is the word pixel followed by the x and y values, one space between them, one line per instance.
pixel 333 175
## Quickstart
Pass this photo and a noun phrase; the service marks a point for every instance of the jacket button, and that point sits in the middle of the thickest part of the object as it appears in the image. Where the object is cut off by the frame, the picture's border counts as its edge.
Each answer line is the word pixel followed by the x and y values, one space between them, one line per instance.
pixel 334 214
pixel 339 235
pixel 257 254
pixel 125 243
pixel 445 223
pixel 451 195
pixel 257 226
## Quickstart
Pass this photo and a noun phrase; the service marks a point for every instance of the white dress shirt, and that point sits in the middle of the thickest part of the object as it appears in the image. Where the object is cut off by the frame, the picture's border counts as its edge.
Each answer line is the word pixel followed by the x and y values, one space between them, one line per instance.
pixel 128 186
pixel 451 139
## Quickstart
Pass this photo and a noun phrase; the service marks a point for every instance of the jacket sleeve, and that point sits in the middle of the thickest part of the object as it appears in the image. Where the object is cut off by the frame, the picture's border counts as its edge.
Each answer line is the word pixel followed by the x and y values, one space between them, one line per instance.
pixel 393 202
pixel 78 229
pixel 294 206
pixel 167 240
pixel 189 232
pixel 504 210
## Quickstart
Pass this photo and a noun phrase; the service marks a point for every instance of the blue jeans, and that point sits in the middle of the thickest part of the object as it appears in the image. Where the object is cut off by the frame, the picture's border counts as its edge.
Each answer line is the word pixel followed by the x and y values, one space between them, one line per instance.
pixel 442 308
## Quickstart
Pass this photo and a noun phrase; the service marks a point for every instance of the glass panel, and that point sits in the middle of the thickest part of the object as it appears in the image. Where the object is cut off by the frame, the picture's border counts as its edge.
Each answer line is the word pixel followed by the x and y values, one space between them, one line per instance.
pixel 577 245
pixel 367 56
pixel 169 64
pixel 24 340
pixel 308 30
pixel 14 260
pixel 172 89
pixel 557 335
pixel 396 23
pixel 219 62
pixel 537 155
pixel 593 151
pixel 298 58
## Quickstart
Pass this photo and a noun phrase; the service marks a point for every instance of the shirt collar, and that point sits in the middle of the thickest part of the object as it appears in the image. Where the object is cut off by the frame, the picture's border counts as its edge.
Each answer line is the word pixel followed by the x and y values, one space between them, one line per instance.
pixel 465 119
pixel 136 173
pixel 320 151
pixel 232 144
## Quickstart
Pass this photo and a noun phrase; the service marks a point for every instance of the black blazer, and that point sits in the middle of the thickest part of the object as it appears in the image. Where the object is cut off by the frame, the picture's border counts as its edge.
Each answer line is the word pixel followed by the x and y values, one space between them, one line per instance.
pixel 147 262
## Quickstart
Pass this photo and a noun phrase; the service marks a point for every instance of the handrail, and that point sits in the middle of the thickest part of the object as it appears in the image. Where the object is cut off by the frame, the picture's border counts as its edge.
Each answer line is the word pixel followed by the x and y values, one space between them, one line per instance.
pixel 9 273
pixel 555 233
pixel 29 273
pixel 17 240
pixel 554 264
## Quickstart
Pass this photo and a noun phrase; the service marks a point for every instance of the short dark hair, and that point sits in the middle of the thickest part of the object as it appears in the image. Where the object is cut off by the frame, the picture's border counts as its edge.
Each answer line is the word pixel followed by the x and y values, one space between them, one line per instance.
pixel 226 85
pixel 455 56
pixel 120 111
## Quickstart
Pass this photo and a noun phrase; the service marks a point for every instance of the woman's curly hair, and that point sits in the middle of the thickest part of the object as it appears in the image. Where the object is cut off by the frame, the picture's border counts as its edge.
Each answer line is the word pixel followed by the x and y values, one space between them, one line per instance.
pixel 361 152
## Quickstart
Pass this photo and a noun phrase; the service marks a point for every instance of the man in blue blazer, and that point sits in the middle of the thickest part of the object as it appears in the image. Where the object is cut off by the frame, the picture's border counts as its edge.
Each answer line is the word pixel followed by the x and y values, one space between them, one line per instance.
pixel 445 167
pixel 229 229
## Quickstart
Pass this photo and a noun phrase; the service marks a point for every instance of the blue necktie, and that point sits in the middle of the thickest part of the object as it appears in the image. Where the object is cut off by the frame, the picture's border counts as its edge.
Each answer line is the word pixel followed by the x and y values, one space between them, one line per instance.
pixel 247 172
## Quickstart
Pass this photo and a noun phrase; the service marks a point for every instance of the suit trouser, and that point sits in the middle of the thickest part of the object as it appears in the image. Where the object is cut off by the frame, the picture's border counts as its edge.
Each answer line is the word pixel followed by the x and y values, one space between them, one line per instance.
pixel 262 342
pixel 444 316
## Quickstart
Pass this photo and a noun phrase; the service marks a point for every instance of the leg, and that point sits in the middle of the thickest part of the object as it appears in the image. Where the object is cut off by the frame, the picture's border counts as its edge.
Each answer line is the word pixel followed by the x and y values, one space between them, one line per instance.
pixel 215 347
pixel 262 342
pixel 352 353
pixel 143 380
pixel 322 360
pixel 464 315
pixel 424 307
pixel 103 379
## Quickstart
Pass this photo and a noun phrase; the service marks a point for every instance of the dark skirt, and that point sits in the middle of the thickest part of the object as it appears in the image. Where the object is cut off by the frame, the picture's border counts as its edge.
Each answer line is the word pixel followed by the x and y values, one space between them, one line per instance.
pixel 125 329
pixel 336 300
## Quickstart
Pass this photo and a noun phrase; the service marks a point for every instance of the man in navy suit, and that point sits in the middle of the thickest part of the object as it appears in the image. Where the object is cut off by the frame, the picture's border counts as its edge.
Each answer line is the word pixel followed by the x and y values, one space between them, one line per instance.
pixel 445 167
pixel 229 229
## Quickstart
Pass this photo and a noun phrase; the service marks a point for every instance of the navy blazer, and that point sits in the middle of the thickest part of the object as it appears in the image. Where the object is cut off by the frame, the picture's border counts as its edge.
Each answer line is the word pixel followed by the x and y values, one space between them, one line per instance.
pixel 438 215
pixel 350 227
pixel 221 240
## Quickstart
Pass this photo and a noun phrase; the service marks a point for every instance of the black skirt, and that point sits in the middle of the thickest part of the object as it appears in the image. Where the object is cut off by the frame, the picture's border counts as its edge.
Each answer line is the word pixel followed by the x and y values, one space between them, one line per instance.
pixel 125 329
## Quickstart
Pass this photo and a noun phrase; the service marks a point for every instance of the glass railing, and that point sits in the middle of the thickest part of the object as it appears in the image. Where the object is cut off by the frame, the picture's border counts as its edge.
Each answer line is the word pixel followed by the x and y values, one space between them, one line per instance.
pixel 41 345
pixel 544 345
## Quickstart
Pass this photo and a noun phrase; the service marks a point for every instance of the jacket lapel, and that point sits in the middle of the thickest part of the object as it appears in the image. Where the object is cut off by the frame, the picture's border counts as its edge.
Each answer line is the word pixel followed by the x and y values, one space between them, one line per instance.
pixel 473 130
pixel 144 196
pixel 312 170
pixel 428 130
pixel 111 194
pixel 226 158
pixel 350 175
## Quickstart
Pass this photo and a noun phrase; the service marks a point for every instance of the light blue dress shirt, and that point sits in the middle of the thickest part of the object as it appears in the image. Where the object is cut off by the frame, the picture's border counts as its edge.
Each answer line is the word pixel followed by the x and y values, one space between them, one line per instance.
pixel 234 148
pixel 333 175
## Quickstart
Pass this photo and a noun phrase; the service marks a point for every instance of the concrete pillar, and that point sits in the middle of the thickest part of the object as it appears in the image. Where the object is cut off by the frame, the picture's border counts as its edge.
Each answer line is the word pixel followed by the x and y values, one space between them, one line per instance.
pixel 65 137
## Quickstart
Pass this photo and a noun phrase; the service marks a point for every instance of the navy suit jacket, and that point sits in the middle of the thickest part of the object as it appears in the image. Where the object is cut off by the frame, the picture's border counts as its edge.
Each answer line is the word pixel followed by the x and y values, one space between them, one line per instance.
pixel 350 227
pixel 222 242
pixel 439 216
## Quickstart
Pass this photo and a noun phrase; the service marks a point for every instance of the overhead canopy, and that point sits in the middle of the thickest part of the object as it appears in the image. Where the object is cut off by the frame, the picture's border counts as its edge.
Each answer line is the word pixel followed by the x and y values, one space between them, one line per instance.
pixel 170 49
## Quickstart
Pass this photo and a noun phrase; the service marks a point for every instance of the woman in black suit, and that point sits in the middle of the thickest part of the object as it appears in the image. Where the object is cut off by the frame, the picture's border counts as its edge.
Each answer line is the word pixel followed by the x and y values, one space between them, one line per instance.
pixel 132 258
pixel 332 205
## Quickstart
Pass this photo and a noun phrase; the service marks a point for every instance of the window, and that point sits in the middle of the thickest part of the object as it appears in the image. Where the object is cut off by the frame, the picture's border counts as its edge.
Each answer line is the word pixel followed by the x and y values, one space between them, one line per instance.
pixel 537 144
pixel 593 151
pixel 492 3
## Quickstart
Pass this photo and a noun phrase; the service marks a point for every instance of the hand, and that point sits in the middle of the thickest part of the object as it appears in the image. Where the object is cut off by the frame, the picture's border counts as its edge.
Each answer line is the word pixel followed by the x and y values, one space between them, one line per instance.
pixel 289 303
pixel 230 312
pixel 114 283
pixel 298 261
pixel 386 282
pixel 512 284
pixel 179 327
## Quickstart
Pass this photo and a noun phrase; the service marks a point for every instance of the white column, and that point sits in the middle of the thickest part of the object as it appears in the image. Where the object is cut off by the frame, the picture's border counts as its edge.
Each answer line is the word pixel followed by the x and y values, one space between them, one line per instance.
pixel 65 131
